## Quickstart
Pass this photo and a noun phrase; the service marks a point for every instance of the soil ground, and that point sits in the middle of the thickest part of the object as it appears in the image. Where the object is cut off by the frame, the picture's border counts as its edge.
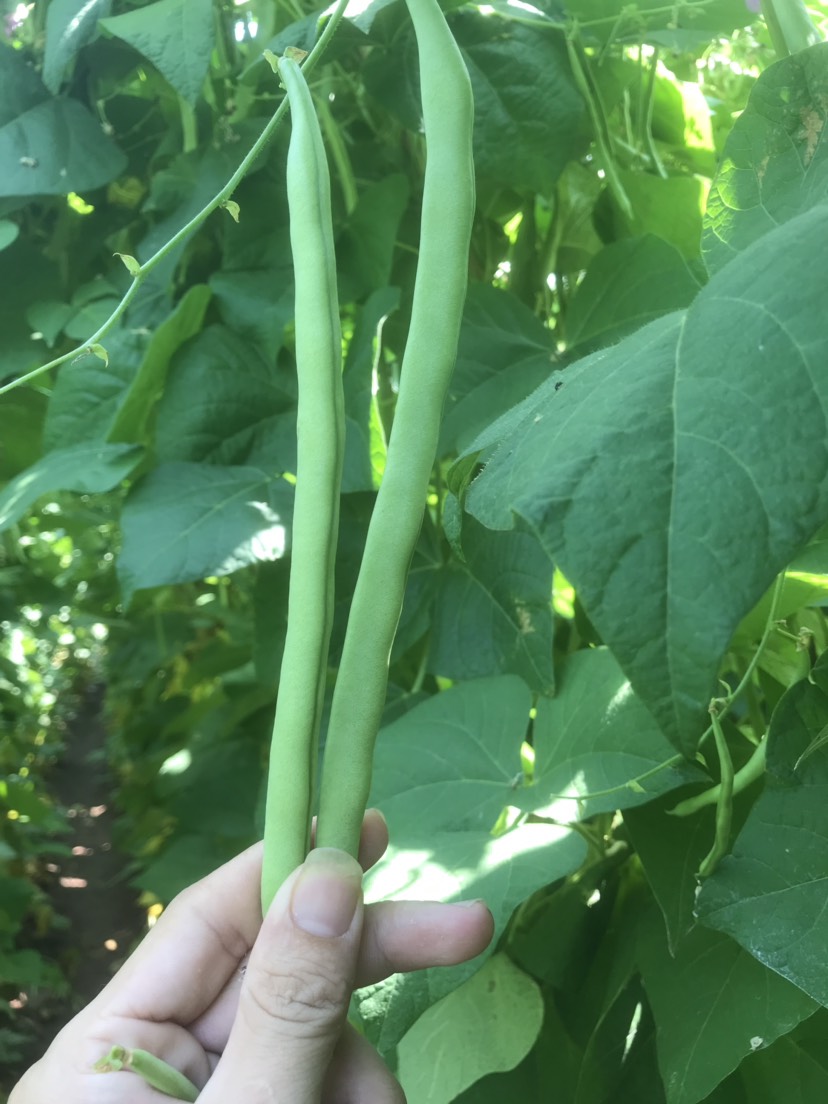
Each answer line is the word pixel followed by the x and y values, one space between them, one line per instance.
pixel 89 889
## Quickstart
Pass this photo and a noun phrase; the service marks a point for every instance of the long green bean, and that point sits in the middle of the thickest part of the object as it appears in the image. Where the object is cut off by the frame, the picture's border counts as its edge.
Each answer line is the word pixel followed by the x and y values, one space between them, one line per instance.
pixel 321 442
pixel 428 361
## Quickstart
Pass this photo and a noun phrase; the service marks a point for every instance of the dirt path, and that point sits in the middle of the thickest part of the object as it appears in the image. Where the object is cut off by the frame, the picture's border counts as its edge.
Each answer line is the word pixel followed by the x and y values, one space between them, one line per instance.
pixel 89 888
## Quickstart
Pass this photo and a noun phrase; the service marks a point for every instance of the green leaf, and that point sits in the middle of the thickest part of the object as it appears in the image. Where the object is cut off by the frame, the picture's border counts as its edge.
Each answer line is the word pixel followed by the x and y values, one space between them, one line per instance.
pixel 131 421
pixel 792 1071
pixel 452 865
pixel 21 440
pixel 20 87
pixel 596 735
pixel 70 24
pixel 87 469
pixel 25 276
pixel 769 894
pixel 666 408
pixel 504 353
pixel 670 208
pixel 88 393
pixel 365 248
pixel 48 318
pixel 488 1024
pixel 54 148
pixel 8 232
pixel 364 434
pixel 711 1002
pixel 468 756
pixel 775 161
pixel 671 850
pixel 204 415
pixel 130 264
pixel 442 774
pixel 177 36
pixel 626 285
pixel 186 521
pixel 530 118
pixel 253 304
pixel 708 19
pixel 493 612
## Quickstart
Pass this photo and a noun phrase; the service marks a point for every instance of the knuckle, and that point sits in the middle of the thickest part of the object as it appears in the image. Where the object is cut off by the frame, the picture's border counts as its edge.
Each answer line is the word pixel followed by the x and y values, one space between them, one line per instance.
pixel 301 995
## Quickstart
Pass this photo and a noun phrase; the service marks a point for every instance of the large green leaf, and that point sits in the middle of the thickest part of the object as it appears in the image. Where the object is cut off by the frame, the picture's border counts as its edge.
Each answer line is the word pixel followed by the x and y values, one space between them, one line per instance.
pixel 70 24
pixel 596 736
pixel 87 469
pixel 177 36
pixel 186 521
pixel 56 147
pixel 770 893
pixel 641 463
pixel 443 772
pixel 775 162
pixel 626 285
pixel 713 1004
pixel 488 1024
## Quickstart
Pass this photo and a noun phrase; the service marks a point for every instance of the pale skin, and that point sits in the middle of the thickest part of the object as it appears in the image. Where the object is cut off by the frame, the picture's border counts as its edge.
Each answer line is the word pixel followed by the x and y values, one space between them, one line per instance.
pixel 255 1011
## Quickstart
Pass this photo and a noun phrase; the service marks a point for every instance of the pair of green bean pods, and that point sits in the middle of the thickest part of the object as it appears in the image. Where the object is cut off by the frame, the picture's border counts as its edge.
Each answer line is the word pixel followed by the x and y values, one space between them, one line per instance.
pixel 428 362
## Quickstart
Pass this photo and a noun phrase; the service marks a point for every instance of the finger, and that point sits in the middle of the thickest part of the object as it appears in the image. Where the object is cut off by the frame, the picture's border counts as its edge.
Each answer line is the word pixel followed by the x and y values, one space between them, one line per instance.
pixel 397 936
pixel 358 1075
pixel 400 936
pixel 296 990
pixel 214 922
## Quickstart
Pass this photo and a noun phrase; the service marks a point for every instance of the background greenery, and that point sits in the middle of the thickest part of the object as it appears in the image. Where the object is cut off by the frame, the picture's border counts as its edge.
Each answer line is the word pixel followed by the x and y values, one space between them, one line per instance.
pixel 633 449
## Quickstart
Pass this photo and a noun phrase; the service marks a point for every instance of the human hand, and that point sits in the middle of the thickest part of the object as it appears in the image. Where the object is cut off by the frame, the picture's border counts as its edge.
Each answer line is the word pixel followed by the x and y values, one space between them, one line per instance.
pixel 254 1011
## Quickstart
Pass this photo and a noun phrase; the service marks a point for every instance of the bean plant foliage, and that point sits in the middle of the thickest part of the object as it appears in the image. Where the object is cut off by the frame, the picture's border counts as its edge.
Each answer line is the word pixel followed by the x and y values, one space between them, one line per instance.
pixel 608 703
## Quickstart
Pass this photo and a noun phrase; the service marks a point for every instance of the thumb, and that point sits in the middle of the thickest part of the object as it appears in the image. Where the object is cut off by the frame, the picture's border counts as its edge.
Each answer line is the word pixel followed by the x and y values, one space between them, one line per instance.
pixel 297 987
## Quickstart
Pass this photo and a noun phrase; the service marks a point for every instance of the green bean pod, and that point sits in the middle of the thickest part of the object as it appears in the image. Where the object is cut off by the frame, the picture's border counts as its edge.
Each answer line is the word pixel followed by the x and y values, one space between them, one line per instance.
pixel 157 1073
pixel 320 447
pixel 428 362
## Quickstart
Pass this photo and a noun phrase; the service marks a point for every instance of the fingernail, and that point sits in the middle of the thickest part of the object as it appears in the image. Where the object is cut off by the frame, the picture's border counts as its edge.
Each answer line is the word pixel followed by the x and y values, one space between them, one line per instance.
pixel 327 892
pixel 470 904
